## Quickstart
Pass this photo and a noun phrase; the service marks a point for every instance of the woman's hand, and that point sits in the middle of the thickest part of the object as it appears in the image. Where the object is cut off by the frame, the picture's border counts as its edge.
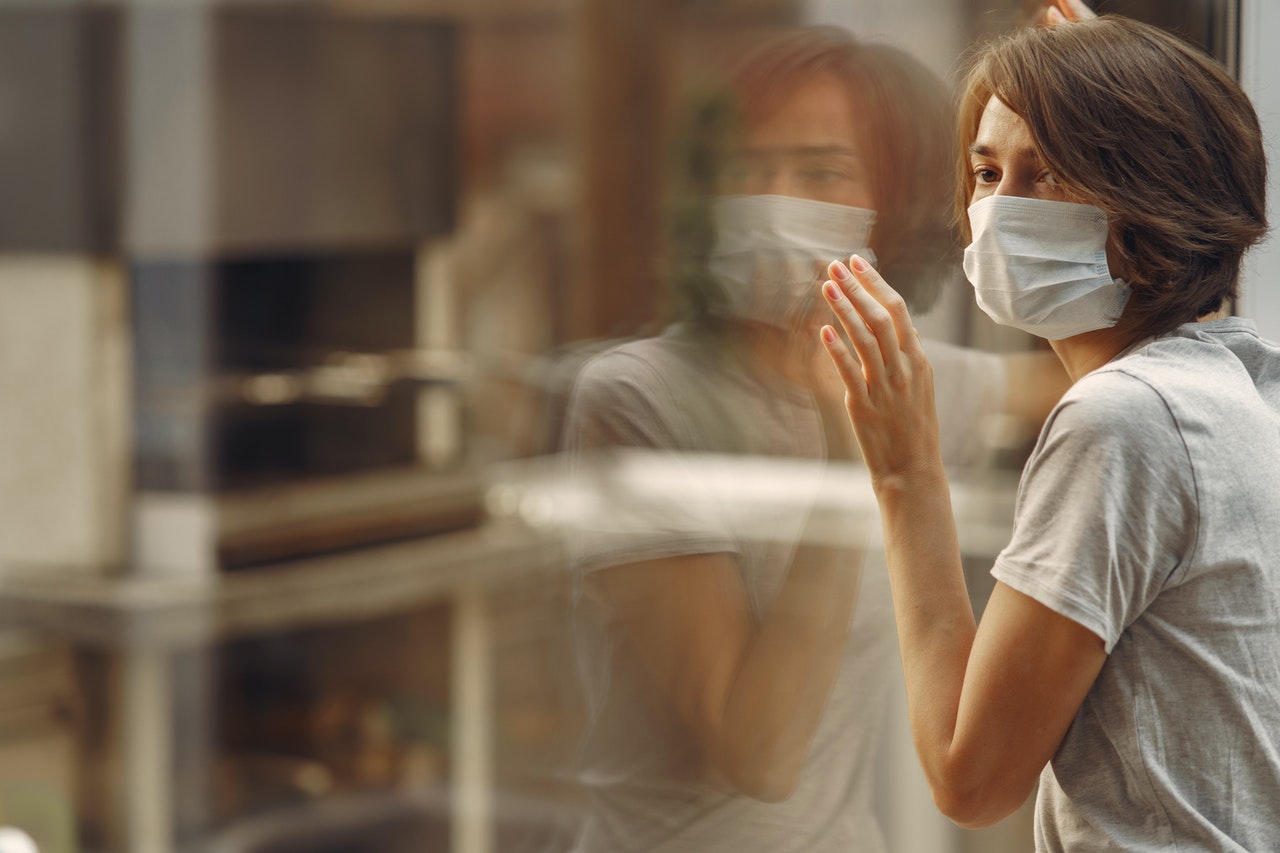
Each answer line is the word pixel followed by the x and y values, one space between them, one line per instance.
pixel 1062 11
pixel 889 384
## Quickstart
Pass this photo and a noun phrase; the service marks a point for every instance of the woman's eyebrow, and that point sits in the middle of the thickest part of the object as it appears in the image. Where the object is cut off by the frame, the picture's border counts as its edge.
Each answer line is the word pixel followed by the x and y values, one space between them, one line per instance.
pixel 803 150
pixel 986 151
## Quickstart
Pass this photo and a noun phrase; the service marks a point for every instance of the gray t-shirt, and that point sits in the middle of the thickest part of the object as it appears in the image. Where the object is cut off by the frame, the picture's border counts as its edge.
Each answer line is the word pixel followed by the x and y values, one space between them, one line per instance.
pixel 1149 513
pixel 646 780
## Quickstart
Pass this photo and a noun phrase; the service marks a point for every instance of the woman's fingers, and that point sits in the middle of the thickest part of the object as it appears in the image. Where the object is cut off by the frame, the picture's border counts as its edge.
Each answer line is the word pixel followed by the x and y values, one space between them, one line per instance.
pixel 1063 11
pixel 841 299
pixel 1076 10
pixel 882 310
pixel 889 386
pixel 892 302
pixel 847 366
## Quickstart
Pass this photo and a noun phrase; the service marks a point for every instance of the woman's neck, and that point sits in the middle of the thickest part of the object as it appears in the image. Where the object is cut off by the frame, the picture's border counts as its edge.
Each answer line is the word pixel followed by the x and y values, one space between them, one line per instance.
pixel 1087 351
pixel 776 353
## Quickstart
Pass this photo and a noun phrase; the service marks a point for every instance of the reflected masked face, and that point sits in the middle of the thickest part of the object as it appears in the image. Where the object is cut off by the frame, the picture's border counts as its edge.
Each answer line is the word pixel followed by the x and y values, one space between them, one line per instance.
pixel 795 196
pixel 806 149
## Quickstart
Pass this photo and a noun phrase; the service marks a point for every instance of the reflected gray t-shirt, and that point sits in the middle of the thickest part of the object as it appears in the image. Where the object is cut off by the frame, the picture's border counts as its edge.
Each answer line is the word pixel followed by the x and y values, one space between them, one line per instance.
pixel 1149 513
pixel 647 783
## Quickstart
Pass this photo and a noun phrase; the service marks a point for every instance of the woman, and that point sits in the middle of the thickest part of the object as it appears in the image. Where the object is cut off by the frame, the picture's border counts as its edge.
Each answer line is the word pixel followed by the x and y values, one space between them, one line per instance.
pixel 1129 657
pixel 737 670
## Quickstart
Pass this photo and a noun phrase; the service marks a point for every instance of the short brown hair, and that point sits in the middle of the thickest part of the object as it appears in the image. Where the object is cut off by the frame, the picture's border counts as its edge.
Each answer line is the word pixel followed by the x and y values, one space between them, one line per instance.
pixel 905 119
pixel 1151 131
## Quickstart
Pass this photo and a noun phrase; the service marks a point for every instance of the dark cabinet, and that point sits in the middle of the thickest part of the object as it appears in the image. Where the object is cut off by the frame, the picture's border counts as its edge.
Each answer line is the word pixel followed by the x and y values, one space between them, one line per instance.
pixel 213 129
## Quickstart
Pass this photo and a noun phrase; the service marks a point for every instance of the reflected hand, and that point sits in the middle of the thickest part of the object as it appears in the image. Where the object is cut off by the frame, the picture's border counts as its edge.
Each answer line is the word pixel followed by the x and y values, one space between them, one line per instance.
pixel 888 380
pixel 1062 11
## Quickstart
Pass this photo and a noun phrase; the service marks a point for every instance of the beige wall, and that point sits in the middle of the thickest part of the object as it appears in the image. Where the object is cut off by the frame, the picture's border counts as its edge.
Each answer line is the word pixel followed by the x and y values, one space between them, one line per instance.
pixel 63 412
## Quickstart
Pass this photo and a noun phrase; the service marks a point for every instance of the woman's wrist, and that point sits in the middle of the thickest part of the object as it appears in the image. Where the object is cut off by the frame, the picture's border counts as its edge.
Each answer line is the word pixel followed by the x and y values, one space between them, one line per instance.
pixel 909 483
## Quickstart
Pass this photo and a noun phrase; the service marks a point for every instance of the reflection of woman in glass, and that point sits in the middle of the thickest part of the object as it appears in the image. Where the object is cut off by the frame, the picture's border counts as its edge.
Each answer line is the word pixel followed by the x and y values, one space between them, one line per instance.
pixel 736 669
pixel 1129 657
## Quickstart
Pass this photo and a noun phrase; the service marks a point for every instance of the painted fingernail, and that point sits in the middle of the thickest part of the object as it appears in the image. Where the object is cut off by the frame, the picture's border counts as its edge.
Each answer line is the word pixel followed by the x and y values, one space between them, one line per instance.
pixel 840 271
pixel 828 334
pixel 859 263
pixel 832 291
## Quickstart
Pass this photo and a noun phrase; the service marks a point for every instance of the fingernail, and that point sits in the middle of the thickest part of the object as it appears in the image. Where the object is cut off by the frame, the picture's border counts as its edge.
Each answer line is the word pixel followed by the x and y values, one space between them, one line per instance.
pixel 859 264
pixel 841 271
pixel 832 291
pixel 829 334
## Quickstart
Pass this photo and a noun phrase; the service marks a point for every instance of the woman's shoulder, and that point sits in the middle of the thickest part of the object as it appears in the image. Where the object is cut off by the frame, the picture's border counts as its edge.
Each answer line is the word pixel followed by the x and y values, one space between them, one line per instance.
pixel 1114 404
pixel 1176 389
pixel 640 386
pixel 637 367
pixel 1195 373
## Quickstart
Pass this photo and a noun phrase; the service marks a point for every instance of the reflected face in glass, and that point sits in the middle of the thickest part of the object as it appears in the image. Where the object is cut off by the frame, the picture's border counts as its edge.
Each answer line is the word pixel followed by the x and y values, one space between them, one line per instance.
pixel 1004 159
pixel 805 149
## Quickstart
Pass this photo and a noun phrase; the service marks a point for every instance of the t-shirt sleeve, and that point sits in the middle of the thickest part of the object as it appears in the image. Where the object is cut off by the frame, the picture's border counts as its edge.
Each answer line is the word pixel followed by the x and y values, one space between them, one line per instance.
pixel 622 419
pixel 1106 507
pixel 618 401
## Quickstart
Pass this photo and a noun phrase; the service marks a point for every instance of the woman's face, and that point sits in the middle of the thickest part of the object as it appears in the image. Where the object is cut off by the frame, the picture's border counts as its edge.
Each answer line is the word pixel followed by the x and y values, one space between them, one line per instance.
pixel 806 149
pixel 1004 160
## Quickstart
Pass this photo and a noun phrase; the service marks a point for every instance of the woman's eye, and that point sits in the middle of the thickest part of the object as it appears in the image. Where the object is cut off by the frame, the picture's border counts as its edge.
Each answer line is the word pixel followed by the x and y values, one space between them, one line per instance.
pixel 984 175
pixel 1050 178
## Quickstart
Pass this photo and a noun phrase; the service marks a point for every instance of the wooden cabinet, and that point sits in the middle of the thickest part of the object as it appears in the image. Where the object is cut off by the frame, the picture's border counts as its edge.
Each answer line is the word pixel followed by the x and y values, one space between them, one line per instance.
pixel 59 131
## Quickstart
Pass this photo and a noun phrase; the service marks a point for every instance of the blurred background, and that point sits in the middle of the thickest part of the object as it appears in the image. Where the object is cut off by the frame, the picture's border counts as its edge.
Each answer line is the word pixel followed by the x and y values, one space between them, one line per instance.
pixel 292 295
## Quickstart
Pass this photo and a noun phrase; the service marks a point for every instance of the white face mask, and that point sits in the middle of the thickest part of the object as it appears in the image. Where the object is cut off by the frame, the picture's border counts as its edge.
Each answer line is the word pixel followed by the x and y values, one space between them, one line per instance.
pixel 771 250
pixel 1041 266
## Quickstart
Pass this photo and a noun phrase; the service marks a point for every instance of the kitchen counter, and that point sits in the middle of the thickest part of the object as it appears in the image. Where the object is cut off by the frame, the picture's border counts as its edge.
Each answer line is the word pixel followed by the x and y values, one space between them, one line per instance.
pixel 372 581
pixel 146 622
pixel 532 506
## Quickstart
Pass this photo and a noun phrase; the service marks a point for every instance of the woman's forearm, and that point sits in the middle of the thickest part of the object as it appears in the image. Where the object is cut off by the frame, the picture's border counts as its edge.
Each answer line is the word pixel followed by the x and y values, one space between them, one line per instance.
pixel 936 627
pixel 988 707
